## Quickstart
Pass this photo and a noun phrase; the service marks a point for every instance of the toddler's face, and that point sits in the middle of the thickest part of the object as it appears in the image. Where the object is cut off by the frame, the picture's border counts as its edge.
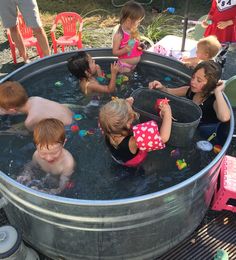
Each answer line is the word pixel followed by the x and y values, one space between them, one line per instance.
pixel 92 65
pixel 136 23
pixel 198 81
pixel 201 53
pixel 51 153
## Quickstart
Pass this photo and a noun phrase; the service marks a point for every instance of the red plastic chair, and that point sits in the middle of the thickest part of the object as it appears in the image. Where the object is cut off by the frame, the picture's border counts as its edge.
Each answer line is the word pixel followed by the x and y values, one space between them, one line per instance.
pixel 28 38
pixel 70 22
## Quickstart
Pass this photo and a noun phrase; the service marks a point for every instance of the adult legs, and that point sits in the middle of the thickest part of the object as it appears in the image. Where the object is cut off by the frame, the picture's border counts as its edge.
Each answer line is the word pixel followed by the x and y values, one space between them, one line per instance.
pixel 17 38
pixel 42 40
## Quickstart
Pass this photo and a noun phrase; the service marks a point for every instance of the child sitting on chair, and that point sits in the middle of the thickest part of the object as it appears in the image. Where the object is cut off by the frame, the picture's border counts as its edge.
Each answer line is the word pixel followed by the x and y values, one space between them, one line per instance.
pixel 90 74
pixel 14 99
pixel 50 155
pixel 207 49
pixel 126 43
pixel 116 119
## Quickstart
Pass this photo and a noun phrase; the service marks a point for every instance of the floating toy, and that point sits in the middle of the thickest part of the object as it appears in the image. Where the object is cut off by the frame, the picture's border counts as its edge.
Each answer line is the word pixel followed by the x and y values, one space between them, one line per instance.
pixel 91 132
pixel 77 117
pixel 82 133
pixel 221 254
pixel 205 146
pixel 74 128
pixel 211 137
pixel 160 102
pixel 101 80
pixel 175 153
pixel 217 148
pixel 70 185
pixel 167 78
pixel 120 79
pixel 58 84
pixel 147 136
pixel 181 164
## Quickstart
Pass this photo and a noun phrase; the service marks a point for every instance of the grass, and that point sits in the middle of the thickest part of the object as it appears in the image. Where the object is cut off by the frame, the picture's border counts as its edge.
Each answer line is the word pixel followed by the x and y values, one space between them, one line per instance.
pixel 101 16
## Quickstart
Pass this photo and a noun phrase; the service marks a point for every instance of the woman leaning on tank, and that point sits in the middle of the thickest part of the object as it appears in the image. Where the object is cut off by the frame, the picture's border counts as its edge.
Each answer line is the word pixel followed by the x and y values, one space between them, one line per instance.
pixel 205 89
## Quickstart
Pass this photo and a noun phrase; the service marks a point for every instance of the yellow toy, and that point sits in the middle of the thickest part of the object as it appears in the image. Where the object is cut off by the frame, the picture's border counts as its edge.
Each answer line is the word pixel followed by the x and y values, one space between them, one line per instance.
pixel 181 164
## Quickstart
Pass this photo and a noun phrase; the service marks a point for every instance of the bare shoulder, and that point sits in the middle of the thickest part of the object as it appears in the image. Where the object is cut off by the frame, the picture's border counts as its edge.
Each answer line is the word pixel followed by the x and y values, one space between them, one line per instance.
pixel 69 164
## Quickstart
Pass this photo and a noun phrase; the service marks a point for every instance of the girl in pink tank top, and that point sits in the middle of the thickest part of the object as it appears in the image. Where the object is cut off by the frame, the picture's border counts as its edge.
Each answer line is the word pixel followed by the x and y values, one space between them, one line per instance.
pixel 126 43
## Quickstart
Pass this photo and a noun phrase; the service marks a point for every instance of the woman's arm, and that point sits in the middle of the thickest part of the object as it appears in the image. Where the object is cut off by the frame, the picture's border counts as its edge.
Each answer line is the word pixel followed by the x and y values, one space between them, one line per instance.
pixel 220 106
pixel 181 91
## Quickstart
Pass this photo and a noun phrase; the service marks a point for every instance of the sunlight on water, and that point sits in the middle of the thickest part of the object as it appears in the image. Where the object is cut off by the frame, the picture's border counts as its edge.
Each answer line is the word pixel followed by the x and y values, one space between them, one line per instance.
pixel 97 176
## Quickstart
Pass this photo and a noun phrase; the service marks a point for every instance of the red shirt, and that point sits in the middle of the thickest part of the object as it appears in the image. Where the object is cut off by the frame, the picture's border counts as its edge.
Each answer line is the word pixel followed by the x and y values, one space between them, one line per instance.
pixel 222 10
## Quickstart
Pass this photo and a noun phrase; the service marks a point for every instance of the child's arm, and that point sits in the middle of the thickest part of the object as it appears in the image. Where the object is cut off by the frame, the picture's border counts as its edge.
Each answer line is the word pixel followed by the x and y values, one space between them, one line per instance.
pixel 116 46
pixel 220 106
pixel 95 86
pixel 165 129
pixel 190 62
pixel 132 145
pixel 180 92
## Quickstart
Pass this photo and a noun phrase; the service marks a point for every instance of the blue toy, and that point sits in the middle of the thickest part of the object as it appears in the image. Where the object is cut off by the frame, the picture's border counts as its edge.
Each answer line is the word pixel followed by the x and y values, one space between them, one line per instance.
pixel 77 117
pixel 82 133
pixel 167 78
pixel 131 43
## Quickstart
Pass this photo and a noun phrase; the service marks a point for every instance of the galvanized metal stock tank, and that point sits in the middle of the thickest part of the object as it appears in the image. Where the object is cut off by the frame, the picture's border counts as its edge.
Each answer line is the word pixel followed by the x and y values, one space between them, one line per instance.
pixel 141 227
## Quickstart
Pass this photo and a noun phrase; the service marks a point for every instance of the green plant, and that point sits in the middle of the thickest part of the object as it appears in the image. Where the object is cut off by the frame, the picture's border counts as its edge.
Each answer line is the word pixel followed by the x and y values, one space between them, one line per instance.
pixel 162 25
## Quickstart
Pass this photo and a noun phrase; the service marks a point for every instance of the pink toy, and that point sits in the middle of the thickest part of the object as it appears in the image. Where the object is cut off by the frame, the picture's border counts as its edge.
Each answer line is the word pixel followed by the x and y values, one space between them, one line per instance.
pixel 227 189
pixel 159 103
pixel 147 136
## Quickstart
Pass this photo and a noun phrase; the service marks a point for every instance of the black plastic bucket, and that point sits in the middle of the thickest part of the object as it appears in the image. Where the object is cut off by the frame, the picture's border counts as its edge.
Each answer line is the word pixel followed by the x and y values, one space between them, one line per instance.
pixel 186 113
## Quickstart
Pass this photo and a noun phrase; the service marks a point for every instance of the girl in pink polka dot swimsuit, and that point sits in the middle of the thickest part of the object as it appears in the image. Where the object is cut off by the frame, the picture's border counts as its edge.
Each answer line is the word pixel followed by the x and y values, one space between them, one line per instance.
pixel 125 144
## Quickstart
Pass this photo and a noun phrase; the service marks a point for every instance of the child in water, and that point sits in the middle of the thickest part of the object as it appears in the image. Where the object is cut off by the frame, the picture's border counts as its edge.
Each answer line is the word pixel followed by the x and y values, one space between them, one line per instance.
pixel 116 119
pixel 14 99
pixel 50 154
pixel 89 73
pixel 126 43
pixel 207 49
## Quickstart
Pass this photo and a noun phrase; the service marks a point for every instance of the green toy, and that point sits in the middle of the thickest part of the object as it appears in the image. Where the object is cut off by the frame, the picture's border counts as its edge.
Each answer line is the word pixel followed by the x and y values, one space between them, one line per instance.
pixel 221 254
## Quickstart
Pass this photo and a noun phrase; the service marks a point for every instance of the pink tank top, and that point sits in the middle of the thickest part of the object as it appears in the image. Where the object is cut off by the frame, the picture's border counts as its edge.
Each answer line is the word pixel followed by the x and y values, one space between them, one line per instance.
pixel 134 52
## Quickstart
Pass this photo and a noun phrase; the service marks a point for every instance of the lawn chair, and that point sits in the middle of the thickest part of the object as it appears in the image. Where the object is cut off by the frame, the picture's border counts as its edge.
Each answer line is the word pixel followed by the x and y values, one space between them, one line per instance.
pixel 198 30
pixel 230 90
pixel 72 25
pixel 28 38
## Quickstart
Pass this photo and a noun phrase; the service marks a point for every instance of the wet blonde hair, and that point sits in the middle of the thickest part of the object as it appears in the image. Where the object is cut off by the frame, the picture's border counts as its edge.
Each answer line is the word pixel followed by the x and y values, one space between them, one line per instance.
pixel 114 118
pixel 49 131
pixel 12 95
pixel 210 45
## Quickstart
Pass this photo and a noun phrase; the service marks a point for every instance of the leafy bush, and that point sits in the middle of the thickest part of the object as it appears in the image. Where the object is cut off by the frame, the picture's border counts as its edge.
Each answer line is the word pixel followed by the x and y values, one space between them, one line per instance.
pixel 162 25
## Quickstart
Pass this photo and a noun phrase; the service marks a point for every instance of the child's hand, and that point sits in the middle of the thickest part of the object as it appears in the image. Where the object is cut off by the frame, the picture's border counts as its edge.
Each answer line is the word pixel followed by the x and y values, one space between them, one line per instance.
pixel 24 179
pixel 165 111
pixel 128 48
pixel 115 68
pixel 130 100
pixel 204 23
pixel 223 24
pixel 155 85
